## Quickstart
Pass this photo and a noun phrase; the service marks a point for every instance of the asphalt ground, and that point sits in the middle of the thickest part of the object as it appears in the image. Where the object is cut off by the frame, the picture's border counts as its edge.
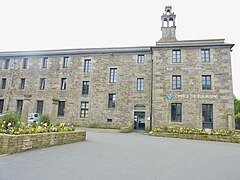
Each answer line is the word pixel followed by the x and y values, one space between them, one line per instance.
pixel 110 155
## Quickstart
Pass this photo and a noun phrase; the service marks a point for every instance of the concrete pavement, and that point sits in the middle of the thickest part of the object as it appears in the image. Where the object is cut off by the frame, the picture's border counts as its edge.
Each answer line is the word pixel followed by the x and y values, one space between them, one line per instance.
pixel 110 155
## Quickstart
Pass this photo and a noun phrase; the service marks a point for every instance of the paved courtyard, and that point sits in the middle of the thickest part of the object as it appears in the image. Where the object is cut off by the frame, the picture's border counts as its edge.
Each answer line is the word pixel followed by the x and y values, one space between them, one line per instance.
pixel 110 155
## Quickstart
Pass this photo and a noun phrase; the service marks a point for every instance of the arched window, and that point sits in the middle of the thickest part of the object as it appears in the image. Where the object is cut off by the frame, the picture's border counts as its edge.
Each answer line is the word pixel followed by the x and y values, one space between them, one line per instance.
pixel 168 12
pixel 170 22
pixel 165 22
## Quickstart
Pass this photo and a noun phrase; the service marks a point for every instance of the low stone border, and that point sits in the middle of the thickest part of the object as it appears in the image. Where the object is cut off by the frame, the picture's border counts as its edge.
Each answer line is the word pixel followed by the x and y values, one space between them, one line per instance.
pixel 18 143
pixel 230 139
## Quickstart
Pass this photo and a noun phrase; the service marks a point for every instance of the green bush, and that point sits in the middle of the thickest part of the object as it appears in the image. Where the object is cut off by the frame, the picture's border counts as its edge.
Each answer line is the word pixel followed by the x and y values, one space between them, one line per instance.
pixel 10 119
pixel 45 118
pixel 237 121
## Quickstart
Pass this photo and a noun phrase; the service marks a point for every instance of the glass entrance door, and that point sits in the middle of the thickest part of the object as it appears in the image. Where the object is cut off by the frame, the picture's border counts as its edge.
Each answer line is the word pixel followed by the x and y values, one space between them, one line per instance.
pixel 139 120
pixel 207 116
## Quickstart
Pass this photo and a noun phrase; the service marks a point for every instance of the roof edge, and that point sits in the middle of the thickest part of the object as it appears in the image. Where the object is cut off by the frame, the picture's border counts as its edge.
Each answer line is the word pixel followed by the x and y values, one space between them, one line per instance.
pixel 193 43
pixel 77 51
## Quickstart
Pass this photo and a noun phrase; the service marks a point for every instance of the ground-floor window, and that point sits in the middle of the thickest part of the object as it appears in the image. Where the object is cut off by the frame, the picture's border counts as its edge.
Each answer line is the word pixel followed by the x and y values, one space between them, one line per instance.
pixel 61 108
pixel 176 112
pixel 207 115
pixel 19 107
pixel 84 109
pixel 39 106
pixel 1 105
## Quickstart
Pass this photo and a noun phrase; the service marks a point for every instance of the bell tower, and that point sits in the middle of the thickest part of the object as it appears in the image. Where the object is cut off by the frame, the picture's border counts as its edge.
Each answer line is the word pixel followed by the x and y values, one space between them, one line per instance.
pixel 168 25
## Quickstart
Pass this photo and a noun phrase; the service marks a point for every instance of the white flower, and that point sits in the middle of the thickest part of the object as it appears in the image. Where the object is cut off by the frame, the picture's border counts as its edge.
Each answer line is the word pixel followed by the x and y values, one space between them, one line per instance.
pixel 9 124
pixel 45 124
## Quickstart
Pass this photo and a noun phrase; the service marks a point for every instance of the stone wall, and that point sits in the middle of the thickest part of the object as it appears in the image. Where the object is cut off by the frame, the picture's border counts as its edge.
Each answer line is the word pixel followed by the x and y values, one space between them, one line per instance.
pixel 18 143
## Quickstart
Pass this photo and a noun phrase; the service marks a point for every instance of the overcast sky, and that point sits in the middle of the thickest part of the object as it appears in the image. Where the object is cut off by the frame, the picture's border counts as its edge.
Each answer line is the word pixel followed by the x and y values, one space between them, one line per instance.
pixel 56 24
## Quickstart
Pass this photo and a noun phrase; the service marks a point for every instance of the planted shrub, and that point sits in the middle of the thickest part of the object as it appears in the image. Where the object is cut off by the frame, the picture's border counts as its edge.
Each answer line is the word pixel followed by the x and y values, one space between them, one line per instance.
pixel 10 119
pixel 45 118
pixel 237 121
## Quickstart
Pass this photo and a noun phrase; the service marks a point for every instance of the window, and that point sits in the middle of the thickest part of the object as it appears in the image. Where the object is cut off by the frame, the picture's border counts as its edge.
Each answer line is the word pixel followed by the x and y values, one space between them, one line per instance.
pixel 39 106
pixel 64 83
pixel 6 64
pixel 109 120
pixel 111 100
pixel 206 82
pixel 25 63
pixel 140 59
pixel 19 106
pixel 140 84
pixel 176 112
pixel 65 62
pixel 87 65
pixel 4 80
pixel 176 82
pixel 85 87
pixel 205 55
pixel 207 115
pixel 84 109
pixel 22 83
pixel 113 75
pixel 176 56
pixel 42 83
pixel 45 62
pixel 61 108
pixel 1 105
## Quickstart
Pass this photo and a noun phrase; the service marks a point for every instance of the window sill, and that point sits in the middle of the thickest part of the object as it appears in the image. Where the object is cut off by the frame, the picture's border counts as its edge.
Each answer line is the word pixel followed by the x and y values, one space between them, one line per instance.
pixel 176 63
pixel 180 90
pixel 60 117
pixel 176 122
pixel 206 90
pixel 85 95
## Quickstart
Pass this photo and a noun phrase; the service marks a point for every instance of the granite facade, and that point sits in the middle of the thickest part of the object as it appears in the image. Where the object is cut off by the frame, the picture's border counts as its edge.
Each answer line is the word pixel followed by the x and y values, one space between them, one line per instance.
pixel 141 87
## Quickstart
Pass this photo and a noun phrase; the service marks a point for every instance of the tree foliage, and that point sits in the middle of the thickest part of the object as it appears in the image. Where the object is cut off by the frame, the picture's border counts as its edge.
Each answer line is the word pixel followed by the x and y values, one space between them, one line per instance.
pixel 237 112
pixel 236 105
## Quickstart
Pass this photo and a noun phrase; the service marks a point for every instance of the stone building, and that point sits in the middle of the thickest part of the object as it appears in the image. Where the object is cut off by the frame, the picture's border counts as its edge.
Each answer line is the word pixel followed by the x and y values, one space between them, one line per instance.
pixel 176 83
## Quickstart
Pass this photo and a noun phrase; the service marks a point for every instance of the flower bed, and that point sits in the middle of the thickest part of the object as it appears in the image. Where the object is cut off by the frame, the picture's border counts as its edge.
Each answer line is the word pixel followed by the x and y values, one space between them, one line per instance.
pixel 35 128
pixel 198 134
pixel 15 136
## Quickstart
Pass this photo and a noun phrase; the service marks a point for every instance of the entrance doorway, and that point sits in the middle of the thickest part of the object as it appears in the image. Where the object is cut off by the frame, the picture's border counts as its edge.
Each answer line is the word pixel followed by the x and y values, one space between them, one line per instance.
pixel 207 115
pixel 139 120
